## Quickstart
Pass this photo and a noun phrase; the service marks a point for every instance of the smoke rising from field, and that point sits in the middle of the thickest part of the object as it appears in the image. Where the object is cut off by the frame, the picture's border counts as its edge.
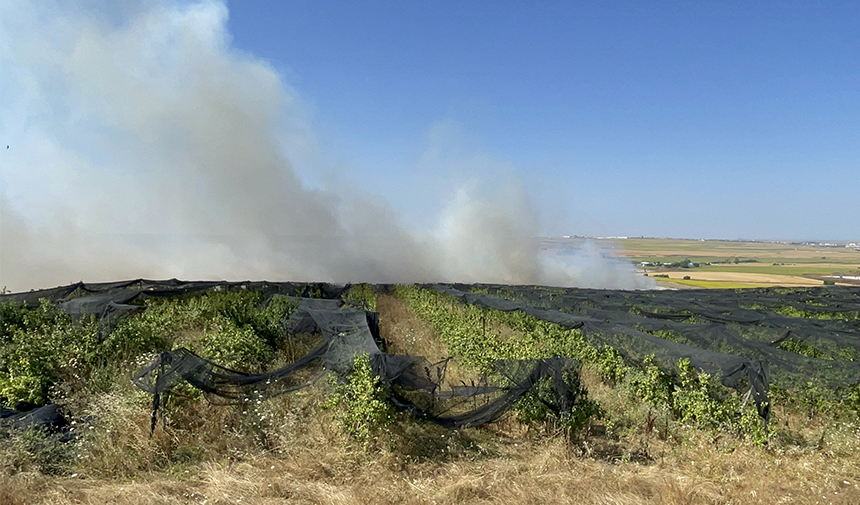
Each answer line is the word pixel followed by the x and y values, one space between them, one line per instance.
pixel 145 145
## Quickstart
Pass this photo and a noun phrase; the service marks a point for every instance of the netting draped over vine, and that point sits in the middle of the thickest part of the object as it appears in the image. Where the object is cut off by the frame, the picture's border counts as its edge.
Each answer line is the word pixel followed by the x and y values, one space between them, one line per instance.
pixel 346 333
pixel 741 337
pixel 416 384
pixel 735 335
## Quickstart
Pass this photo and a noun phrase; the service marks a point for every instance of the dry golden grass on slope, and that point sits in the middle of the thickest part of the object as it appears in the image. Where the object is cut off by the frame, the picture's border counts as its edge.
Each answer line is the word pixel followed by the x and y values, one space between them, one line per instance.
pixel 288 452
pixel 530 473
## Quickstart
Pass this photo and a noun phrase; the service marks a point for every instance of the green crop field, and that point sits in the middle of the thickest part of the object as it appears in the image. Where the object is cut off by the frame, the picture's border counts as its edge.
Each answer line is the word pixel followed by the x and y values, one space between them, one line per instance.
pixel 780 269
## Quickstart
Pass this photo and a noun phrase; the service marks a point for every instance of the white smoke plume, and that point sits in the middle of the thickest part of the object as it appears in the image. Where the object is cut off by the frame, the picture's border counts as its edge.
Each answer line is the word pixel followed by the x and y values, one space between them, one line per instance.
pixel 143 144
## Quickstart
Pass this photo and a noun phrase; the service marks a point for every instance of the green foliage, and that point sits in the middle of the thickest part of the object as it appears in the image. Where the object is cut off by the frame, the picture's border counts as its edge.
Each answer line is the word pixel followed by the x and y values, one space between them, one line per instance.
pixel 807 313
pixel 467 332
pixel 814 400
pixel 162 323
pixel 696 398
pixel 752 425
pixel 43 345
pixel 12 317
pixel 476 335
pixel 233 346
pixel 361 409
pixel 39 346
pixel 666 335
pixel 651 385
pixel 534 408
pixel 851 397
pixel 361 295
pixel 241 308
pixel 800 347
pixel 317 292
pixel 233 326
pixel 610 364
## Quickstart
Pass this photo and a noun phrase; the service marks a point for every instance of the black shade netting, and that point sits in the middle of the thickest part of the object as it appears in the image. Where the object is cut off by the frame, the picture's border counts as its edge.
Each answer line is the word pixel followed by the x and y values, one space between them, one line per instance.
pixel 416 385
pixel 745 338
pixel 551 382
pixel 98 294
pixel 751 337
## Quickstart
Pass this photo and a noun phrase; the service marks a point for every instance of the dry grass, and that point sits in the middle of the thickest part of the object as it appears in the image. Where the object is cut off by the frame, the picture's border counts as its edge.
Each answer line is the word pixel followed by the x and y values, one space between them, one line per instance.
pixel 406 333
pixel 287 452
pixel 527 472
pixel 745 277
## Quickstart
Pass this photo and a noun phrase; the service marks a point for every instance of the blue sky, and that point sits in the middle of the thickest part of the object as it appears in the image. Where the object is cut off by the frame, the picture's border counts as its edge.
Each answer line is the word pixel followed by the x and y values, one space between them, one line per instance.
pixel 415 141
pixel 676 119
pixel 682 119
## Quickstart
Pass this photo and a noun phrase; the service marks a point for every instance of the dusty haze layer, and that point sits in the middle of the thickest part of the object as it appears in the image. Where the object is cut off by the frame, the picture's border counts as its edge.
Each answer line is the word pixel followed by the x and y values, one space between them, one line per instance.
pixel 145 145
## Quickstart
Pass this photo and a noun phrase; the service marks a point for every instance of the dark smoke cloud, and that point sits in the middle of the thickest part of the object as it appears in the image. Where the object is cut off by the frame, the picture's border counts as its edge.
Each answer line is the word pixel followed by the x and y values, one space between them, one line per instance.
pixel 145 145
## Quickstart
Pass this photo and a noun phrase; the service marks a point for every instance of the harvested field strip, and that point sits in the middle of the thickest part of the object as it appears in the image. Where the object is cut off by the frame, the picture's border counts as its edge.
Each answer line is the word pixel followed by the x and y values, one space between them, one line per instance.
pixel 743 277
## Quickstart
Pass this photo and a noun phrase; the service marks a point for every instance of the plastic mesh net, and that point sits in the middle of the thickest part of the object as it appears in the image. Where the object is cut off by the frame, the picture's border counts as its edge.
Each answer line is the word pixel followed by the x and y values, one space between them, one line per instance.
pixel 742 337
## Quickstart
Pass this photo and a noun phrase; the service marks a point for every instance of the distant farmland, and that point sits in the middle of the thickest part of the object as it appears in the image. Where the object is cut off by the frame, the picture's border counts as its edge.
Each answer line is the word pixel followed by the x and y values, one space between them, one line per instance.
pixel 734 264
